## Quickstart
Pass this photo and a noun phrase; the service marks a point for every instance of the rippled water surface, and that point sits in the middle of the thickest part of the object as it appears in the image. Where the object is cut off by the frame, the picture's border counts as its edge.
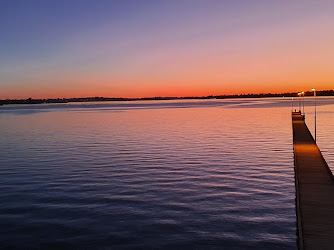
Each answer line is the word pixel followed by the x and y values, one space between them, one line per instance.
pixel 206 173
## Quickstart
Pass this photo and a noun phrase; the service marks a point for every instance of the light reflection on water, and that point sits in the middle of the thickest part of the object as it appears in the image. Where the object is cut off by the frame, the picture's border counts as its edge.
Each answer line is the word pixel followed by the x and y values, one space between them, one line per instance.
pixel 325 125
pixel 149 174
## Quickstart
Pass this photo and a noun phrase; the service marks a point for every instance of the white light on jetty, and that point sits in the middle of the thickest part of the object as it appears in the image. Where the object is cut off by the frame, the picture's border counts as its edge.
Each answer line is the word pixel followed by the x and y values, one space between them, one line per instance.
pixel 299 94
pixel 292 104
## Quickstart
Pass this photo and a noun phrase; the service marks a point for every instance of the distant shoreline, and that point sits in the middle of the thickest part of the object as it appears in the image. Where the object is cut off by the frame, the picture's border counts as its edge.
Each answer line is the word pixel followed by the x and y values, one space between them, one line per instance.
pixel 108 99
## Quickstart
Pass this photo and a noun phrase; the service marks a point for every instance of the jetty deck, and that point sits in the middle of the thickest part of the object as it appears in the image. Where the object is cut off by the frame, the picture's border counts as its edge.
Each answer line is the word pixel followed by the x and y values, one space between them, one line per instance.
pixel 314 190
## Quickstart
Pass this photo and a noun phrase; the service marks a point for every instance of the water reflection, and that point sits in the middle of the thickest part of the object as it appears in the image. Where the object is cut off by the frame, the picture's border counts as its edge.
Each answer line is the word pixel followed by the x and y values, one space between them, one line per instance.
pixel 176 174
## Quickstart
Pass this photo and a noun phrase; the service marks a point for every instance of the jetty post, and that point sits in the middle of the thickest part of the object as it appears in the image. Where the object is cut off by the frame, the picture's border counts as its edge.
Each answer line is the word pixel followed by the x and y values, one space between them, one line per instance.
pixel 315 115
pixel 303 104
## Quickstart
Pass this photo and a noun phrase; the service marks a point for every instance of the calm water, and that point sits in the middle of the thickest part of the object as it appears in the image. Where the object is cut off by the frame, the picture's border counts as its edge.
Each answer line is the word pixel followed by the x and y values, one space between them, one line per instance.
pixel 207 173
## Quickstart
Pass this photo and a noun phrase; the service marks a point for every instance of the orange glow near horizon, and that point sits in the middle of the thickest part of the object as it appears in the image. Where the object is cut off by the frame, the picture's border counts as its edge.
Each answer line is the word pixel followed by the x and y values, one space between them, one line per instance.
pixel 89 87
pixel 162 92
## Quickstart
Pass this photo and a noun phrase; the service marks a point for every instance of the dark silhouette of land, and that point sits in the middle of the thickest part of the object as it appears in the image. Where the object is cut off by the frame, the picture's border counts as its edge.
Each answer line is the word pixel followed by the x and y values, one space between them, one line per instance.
pixel 108 99
pixel 314 190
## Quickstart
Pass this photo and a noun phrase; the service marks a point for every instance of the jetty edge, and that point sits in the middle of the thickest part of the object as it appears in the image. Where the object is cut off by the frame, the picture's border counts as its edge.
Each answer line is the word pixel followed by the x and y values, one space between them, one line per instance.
pixel 314 184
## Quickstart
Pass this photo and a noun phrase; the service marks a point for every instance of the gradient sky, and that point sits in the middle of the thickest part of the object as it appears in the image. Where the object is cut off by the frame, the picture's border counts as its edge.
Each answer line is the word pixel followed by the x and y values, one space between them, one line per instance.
pixel 142 48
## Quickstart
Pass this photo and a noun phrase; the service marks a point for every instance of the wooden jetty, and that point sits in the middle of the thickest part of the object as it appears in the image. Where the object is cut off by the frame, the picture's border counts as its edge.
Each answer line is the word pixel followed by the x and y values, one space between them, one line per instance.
pixel 314 190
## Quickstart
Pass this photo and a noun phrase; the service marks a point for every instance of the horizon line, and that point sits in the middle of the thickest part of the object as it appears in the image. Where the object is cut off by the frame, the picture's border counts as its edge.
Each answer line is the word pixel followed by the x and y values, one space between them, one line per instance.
pixel 268 94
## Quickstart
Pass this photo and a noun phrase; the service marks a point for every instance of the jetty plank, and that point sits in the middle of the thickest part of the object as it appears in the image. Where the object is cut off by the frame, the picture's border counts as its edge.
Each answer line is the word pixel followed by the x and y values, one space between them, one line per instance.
pixel 314 190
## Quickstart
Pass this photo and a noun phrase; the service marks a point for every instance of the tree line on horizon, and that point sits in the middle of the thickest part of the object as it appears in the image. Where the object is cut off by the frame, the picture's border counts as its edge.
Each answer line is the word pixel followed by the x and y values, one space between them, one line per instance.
pixel 100 99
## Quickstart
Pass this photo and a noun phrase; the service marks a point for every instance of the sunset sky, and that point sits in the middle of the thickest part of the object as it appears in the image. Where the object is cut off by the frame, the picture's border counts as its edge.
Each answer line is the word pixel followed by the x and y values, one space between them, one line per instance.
pixel 140 48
